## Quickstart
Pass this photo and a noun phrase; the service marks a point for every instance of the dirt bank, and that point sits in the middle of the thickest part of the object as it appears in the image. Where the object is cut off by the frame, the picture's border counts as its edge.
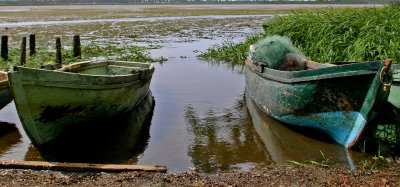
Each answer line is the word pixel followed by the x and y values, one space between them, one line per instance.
pixel 269 176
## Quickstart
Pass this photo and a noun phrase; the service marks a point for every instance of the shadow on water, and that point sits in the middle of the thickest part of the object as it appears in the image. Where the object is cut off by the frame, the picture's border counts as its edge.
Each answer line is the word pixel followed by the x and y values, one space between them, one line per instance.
pixel 115 140
pixel 9 136
pixel 224 141
pixel 286 144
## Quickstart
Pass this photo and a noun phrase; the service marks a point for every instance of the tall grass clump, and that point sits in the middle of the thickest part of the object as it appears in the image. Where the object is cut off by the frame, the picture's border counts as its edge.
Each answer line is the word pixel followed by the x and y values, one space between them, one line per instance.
pixel 354 34
pixel 229 51
pixel 343 34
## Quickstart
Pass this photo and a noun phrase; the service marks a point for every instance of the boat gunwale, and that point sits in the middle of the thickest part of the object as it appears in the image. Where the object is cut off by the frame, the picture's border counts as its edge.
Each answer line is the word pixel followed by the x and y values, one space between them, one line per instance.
pixel 78 66
pixel 108 82
pixel 356 69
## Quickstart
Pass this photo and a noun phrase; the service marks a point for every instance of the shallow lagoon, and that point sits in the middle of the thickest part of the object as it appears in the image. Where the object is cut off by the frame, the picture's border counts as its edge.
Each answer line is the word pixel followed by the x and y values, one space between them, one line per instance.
pixel 201 119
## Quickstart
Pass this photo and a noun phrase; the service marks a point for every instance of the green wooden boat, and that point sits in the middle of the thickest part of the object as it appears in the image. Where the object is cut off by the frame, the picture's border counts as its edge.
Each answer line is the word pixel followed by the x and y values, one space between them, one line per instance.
pixel 5 92
pixel 394 96
pixel 49 102
pixel 337 99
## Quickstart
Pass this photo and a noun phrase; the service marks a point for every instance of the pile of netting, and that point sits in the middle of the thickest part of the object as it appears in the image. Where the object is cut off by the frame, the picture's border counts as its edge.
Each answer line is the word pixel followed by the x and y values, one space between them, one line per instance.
pixel 278 52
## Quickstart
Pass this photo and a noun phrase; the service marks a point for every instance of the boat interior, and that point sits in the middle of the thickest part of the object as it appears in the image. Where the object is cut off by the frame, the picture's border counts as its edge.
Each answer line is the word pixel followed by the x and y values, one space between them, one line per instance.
pixel 101 68
pixel 316 65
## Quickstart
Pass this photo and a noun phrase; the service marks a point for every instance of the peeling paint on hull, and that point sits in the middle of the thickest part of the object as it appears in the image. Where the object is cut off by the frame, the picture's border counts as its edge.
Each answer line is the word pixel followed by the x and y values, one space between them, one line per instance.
pixel 49 102
pixel 338 100
pixel 343 128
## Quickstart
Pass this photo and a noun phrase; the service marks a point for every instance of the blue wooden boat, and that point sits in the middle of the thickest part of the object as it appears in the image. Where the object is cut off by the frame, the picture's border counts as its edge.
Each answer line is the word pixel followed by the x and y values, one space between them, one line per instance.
pixel 337 99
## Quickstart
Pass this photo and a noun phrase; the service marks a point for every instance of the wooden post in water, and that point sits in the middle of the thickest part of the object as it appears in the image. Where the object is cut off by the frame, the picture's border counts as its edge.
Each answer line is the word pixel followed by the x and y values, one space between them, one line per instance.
pixel 23 51
pixel 4 47
pixel 58 50
pixel 76 43
pixel 32 44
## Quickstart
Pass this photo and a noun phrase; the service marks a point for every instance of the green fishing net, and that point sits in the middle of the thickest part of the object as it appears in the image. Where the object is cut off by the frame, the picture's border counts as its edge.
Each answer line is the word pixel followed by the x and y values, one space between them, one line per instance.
pixel 272 51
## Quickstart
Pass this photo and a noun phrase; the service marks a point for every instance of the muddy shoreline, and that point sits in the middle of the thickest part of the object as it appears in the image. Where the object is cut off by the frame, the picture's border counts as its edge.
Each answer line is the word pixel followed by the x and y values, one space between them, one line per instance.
pixel 268 176
pixel 181 33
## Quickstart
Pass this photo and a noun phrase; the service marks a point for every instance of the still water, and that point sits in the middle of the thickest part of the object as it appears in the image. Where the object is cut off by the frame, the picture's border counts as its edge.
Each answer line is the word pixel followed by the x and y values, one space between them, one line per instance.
pixel 199 119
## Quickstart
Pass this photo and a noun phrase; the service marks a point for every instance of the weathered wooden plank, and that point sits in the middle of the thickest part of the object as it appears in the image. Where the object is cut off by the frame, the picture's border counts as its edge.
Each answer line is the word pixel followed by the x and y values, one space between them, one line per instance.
pixel 315 65
pixel 40 165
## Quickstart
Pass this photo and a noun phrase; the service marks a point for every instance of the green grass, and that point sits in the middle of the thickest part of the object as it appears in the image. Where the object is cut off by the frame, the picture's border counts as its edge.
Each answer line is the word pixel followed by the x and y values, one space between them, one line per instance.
pixel 374 163
pixel 89 52
pixel 325 162
pixel 358 34
pixel 229 51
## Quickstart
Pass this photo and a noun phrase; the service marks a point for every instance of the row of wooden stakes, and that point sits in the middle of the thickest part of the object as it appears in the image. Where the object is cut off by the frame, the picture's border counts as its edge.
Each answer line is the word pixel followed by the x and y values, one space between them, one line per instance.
pixel 76 44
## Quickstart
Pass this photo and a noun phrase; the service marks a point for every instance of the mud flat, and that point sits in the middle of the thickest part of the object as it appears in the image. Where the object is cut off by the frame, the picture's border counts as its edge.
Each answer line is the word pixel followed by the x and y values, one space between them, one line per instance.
pixel 269 176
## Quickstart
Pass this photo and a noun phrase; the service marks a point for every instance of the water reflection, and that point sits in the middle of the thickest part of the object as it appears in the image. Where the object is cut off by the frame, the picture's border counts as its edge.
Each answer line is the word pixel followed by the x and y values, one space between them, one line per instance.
pixel 284 144
pixel 225 140
pixel 9 136
pixel 116 140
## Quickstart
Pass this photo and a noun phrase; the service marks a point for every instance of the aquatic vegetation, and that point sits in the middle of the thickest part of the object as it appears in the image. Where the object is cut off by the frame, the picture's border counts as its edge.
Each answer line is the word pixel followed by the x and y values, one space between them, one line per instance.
pixel 89 52
pixel 229 51
pixel 357 34
pixel 325 162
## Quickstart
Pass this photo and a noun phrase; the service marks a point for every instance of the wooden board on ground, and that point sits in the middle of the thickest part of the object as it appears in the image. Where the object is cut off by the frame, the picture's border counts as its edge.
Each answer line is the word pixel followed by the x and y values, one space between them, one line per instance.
pixel 40 165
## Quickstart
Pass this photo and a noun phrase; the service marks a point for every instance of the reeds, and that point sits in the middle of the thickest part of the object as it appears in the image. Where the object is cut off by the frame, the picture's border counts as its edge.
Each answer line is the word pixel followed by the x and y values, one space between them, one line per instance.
pixel 343 34
pixel 354 34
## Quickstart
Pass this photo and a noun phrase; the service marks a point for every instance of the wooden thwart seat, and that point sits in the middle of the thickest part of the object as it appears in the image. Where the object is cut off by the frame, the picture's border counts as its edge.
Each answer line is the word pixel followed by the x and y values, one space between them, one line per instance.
pixel 316 65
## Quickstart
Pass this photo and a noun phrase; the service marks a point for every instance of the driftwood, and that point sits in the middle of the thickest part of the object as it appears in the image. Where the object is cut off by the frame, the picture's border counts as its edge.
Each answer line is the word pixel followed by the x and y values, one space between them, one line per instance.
pixel 60 166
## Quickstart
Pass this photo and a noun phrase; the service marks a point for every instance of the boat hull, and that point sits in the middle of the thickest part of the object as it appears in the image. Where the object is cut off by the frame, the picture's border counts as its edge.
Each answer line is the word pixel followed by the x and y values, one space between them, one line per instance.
pixel 285 144
pixel 337 100
pixel 394 96
pixel 119 139
pixel 5 92
pixel 48 102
